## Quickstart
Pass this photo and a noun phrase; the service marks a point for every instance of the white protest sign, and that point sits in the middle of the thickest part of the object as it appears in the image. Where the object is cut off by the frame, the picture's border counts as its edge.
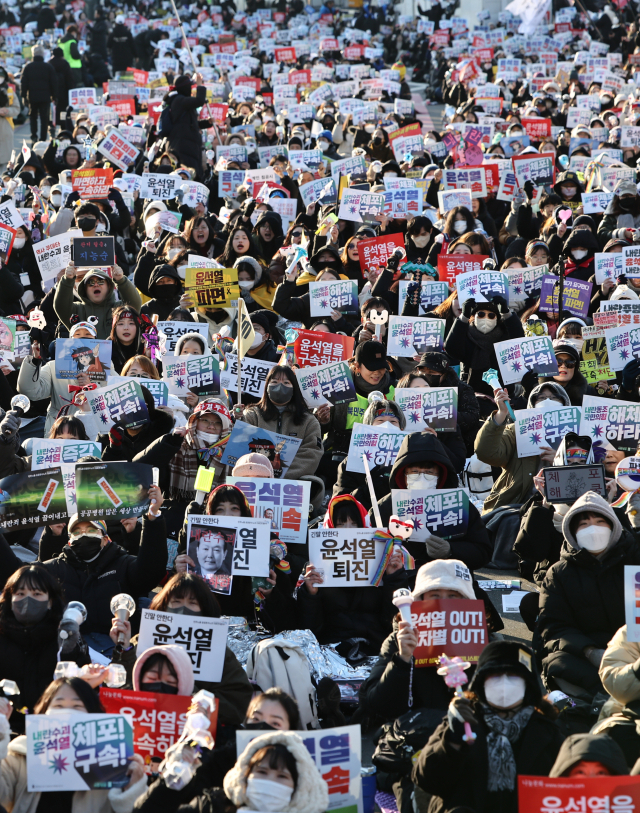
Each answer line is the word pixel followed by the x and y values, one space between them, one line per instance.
pixel 157 186
pixel 607 266
pixel 170 331
pixel 380 444
pixel 345 557
pixel 284 503
pixel 253 375
pixel 544 426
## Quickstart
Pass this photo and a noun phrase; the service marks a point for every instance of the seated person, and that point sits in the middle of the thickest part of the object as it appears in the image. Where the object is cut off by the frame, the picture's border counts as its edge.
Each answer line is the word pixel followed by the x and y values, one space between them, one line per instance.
pixel 589 755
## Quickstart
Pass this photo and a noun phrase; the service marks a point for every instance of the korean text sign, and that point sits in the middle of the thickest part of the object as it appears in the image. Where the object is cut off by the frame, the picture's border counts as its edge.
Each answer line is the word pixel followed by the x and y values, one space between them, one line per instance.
pixel 77 751
pixel 442 513
pixel 118 150
pixel 632 601
pixel 313 349
pixel 576 295
pixel 436 407
pixel 92 183
pixel 623 345
pixel 32 498
pixel 605 420
pixel 432 294
pixel 205 639
pixel 341 296
pixel 327 384
pixel 578 794
pixel 482 286
pixel 517 356
pixel 450 627
pixel 46 452
pixel 212 287
pixel 414 335
pixel 380 445
pixel 123 404
pixel 94 251
pixel 345 557
pixel 197 374
pixel 112 489
pixel 450 266
pixel 252 377
pixel 285 504
pixel 375 251
pixel 543 427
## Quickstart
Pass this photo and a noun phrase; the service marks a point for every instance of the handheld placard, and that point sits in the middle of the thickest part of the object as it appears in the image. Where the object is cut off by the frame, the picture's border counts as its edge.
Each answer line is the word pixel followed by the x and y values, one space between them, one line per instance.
pixel 491 378
pixel 204 483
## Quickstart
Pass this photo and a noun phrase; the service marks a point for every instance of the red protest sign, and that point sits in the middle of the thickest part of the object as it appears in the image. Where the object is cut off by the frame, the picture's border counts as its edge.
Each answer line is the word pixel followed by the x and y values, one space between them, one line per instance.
pixel 250 81
pixel 492 175
pixel 440 38
pixel 285 54
pixel 300 77
pixel 450 265
pixel 157 719
pixel 219 113
pixel 329 44
pixel 354 52
pixel 580 794
pixel 140 77
pixel 537 129
pixel 408 130
pixel 450 627
pixel 312 348
pixel 92 183
pixel 375 251
pixel 483 54
pixel 123 107
pixel 279 16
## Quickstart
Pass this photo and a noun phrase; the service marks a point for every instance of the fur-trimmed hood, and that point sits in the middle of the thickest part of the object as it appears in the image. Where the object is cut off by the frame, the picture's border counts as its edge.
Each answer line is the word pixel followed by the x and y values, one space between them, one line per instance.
pixel 311 795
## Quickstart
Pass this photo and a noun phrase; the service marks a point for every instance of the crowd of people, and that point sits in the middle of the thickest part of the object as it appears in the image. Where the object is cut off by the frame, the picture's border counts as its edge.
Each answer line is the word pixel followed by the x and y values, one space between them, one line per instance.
pixel 250 280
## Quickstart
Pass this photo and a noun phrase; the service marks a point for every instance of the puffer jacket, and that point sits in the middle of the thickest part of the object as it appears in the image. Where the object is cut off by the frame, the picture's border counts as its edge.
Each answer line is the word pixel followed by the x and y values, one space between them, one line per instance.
pixel 589 748
pixel 65 306
pixel 38 381
pixel 613 226
pixel 620 668
pixel 496 446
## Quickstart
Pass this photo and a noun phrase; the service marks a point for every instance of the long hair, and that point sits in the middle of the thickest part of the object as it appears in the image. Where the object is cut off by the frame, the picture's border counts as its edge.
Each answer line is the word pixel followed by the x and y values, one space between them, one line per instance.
pixel 345 252
pixel 230 255
pixel 191 226
pixel 472 239
pixel 117 314
pixel 451 219
pixel 287 702
pixel 406 380
pixel 147 365
pixel 266 406
pixel 34 577
pixel 187 585
pixel 90 699
pixel 228 493
pixel 445 309
pixel 71 423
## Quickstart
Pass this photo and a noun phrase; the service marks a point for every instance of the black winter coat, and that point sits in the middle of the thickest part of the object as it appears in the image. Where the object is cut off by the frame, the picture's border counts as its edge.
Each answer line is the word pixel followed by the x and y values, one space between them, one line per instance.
pixel 458 777
pixel 11 289
pixel 289 302
pixel 99 32
pixel 64 80
pixel 120 43
pixel 38 81
pixel 132 445
pixel 163 305
pixel 184 138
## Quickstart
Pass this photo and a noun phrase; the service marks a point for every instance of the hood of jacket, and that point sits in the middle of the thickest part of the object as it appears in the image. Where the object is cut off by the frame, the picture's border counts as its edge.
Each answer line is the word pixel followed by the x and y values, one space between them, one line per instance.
pixel 595 503
pixel 311 794
pixel 340 498
pixel 164 270
pixel 590 748
pixel 110 300
pixel 559 390
pixel 420 447
pixel 273 219
pixel 583 238
pixel 315 263
pixel 568 177
pixel 180 660
pixel 254 264
pixel 196 337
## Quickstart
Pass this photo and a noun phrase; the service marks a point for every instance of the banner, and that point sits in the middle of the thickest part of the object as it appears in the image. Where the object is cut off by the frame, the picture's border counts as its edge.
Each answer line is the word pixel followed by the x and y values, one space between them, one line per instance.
pixel 339 295
pixel 252 377
pixel 380 445
pixel 578 794
pixel 73 750
pixel 328 384
pixel 544 426
pixel 89 356
pixel 246 438
pixel 284 504
pixel 169 333
pixel 413 335
pixel 450 627
pixel 90 252
pixel 432 294
pixel 375 251
pixel 92 183
pixel 114 489
pixel 346 557
pixel 123 404
pixel 576 295
pixel 482 286
pixel 516 357
pixel 450 266
pixel 443 513
pixel 205 639
pixel 32 498
pixel 436 407
pixel 224 547
pixel 197 374
pixel 313 349
pixel 212 287
pixel 46 453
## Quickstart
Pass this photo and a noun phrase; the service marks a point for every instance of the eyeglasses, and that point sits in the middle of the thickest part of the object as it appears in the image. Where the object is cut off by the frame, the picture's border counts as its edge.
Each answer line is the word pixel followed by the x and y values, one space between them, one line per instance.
pixel 296 234
pixel 568 363
pixel 486 315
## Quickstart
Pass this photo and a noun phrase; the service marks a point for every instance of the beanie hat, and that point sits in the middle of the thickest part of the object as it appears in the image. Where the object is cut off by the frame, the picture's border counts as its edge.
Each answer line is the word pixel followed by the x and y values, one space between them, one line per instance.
pixel 446 574
pixel 83 326
pixel 212 405
pixel 253 465
pixel 382 409
pixel 437 362
pixel 507 656
pixel 180 661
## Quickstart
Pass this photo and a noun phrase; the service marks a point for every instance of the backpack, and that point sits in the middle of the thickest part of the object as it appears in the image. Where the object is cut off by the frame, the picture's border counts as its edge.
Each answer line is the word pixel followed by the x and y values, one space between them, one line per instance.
pixel 398 741
pixel 165 122
pixel 503 525
pixel 276 662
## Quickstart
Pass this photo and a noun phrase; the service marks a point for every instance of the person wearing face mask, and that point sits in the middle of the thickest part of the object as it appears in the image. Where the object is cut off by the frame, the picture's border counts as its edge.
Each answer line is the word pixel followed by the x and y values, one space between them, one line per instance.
pixel 516 733
pixel 249 276
pixel 570 332
pixel 622 216
pixel 290 302
pixel 324 142
pixel 578 253
pixel 165 288
pixel 569 188
pixel 379 148
pixel 458 221
pixel 582 596
pixel 55 198
pixel 14 287
pixel 569 376
pixel 263 347
pixel 419 237
pixel 473 336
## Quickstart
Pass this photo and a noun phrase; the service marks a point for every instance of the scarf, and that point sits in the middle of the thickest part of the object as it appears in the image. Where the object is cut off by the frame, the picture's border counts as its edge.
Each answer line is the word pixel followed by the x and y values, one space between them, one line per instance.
pixel 482 351
pixel 184 465
pixel 364 388
pixel 571 265
pixel 502 733
pixel 408 561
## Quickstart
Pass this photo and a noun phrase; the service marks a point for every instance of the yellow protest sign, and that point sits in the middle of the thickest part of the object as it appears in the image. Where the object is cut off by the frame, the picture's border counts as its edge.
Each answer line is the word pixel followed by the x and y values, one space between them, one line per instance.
pixel 212 287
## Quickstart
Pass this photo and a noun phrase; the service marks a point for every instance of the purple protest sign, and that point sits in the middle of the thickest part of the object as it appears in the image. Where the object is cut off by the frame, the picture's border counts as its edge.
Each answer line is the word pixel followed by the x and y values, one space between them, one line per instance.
pixel 576 295
pixel 450 141
pixel 472 136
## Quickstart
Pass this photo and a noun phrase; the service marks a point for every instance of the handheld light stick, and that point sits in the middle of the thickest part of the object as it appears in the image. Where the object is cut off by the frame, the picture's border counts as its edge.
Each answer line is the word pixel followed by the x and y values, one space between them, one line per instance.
pixel 403 600
pixel 491 378
pixel 453 671
pixel 21 405
pixel 122 606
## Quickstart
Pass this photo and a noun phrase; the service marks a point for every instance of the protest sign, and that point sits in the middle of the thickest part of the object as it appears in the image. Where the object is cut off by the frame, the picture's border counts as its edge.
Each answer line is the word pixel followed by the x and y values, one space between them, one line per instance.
pixel 193 193
pixel 284 504
pixel 595 358
pixel 253 375
pixel 197 374
pixel 403 203
pixel 224 547
pixel 541 794
pixel 340 295
pixel 595 203
pixel 606 422
pixel 90 252
pixel 539 169
pixel 162 221
pixel 375 251
pixel 337 754
pixel 448 199
pixel 32 498
pixel 631 262
pixel 113 489
pixel 576 295
pixel 482 286
pixel 49 452
pixel 632 601
pixel 157 720
pixel 472 179
pixel 623 345
pixel 436 407
pixel 74 750
pixel 90 356
pixel 432 294
pixel 346 557
pixel 54 255
pixel 380 445
pixel 158 389
pixel 619 306
pixel 564 484
pixel 157 186
pixel 205 639
pixel 81 97
pixel 443 513
pixel 328 384
pixel 312 349
pixel 246 438
pixel 7 236
pixel 360 206
pixel 119 151
pixel 348 166
pixel 170 331
pixel 607 266
pixel 10 216
pixel 92 183
pixel 518 356
pixel 322 191
pixel 122 404
pixel 212 287
pixel 450 266
pixel 414 335
pixel 544 426
pixel 450 627
pixel 228 182
pixel 7 337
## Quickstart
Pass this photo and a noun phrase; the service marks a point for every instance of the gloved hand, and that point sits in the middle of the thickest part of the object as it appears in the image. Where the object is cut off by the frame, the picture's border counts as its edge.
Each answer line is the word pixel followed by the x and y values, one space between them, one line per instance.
pixel 249 210
pixel 413 293
pixel 10 425
pixel 636 236
pixel 72 639
pixel 459 713
pixel 529 190
pixel 594 656
pixel 501 302
pixel 629 375
pixel 438 548
pixel 394 260
pixel 116 436
pixel 467 308
pixel 518 200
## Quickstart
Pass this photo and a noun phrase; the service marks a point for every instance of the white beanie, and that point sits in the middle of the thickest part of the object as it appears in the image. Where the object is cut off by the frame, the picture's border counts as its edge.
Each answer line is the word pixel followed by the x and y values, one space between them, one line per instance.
pixel 623 292
pixel 83 326
pixel 444 574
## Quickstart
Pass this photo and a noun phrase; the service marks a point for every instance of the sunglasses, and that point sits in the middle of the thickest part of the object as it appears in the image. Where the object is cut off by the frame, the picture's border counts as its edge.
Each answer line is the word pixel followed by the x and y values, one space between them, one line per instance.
pixel 568 363
pixel 296 234
pixel 486 315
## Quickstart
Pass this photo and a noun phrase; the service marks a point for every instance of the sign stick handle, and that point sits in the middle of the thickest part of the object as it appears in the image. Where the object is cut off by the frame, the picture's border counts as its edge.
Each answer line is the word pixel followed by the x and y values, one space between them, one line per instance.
pixel 372 493
pixel 239 401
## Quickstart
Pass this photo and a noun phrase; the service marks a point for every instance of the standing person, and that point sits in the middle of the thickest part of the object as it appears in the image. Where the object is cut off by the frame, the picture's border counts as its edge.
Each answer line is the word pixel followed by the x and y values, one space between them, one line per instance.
pixel 120 43
pixel 99 32
pixel 184 137
pixel 64 82
pixel 69 45
pixel 38 89
pixel 9 109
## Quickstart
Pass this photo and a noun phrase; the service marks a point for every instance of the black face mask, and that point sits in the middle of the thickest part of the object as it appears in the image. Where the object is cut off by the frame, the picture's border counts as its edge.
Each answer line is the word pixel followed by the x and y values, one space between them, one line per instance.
pixel 29 610
pixel 159 687
pixel 86 547
pixel 184 611
pixel 626 204
pixel 378 141
pixel 280 394
pixel 86 223
pixel 432 380
pixel 166 291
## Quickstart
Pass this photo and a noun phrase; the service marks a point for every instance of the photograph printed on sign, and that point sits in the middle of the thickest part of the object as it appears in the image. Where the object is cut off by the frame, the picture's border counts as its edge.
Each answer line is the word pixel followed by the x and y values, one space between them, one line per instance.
pixel 75 356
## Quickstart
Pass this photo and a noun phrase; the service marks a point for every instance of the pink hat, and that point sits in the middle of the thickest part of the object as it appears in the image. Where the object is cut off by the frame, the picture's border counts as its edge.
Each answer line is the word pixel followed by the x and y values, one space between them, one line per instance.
pixel 253 465
pixel 180 661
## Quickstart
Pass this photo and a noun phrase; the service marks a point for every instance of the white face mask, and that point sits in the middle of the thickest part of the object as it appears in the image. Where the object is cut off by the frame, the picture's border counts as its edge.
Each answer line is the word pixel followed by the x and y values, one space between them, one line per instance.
pixel 19 242
pixel 422 480
pixel 182 271
pixel 207 437
pixel 100 228
pixel 263 794
pixel 56 200
pixel 504 691
pixel 420 240
pixel 594 538
pixel 429 145
pixel 485 325
pixel 569 191
pixel 257 340
pixel 460 226
pixel 245 284
pixel 324 145
pixel 173 252
pixel 45 191
pixel 369 128
pixel 579 253
pixel 574 341
pixel 390 174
